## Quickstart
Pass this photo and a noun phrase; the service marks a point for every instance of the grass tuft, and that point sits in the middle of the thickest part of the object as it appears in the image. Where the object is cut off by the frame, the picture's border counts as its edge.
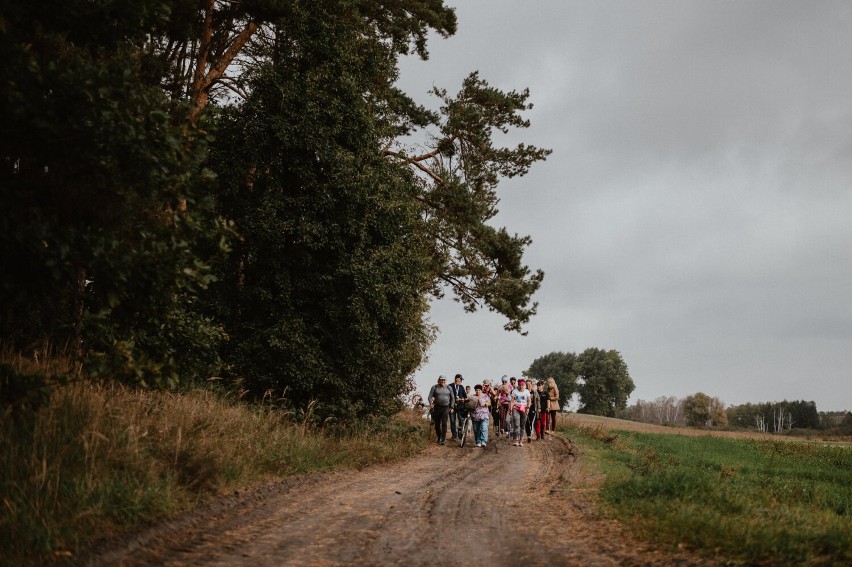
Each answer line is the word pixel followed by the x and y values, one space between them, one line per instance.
pixel 97 460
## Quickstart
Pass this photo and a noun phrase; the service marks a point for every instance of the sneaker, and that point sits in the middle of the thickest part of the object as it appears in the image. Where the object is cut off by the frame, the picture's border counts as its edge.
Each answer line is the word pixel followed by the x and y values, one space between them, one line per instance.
pixel 520 444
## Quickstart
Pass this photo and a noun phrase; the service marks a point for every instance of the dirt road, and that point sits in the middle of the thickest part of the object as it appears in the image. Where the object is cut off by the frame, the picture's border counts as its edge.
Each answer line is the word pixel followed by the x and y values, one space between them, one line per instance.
pixel 497 506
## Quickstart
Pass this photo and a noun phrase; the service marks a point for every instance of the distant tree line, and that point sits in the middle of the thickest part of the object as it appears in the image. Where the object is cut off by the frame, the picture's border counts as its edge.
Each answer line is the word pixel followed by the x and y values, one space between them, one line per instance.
pixel 698 410
pixel 225 189
pixel 701 410
pixel 775 417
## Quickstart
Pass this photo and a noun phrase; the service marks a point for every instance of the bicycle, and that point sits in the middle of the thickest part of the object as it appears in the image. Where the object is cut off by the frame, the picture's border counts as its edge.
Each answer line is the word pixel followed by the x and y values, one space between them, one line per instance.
pixel 467 429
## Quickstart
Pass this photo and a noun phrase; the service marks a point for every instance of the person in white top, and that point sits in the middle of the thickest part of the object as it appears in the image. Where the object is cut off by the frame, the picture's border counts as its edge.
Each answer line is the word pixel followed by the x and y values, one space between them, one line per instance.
pixel 519 405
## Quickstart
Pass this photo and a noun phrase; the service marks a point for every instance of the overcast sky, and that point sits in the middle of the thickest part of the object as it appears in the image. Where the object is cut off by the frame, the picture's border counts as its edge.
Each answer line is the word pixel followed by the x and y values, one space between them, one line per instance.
pixel 696 212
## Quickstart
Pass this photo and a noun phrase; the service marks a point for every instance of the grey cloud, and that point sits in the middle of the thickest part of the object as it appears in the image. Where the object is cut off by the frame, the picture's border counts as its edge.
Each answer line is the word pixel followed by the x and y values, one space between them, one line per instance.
pixel 695 212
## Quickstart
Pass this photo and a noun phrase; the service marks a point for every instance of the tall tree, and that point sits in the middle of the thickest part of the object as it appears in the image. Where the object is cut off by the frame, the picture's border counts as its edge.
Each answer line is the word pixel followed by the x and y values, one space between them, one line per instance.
pixel 481 264
pixel 559 366
pixel 341 233
pixel 204 50
pixel 303 183
pixel 95 160
pixel 701 410
pixel 605 382
pixel 325 292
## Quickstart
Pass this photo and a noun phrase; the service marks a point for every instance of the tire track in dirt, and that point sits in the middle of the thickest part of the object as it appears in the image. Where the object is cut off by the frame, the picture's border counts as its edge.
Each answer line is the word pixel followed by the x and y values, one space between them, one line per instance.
pixel 502 505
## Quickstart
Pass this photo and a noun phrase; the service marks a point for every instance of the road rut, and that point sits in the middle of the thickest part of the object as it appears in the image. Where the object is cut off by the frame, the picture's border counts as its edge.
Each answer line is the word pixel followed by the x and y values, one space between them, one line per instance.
pixel 497 506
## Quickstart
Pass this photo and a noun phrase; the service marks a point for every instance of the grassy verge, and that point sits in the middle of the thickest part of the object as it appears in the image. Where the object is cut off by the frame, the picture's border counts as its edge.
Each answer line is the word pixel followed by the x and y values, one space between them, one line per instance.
pixel 741 500
pixel 99 460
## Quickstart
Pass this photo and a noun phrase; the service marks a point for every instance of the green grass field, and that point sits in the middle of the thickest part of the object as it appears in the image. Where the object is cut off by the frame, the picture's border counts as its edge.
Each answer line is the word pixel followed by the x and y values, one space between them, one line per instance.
pixel 741 500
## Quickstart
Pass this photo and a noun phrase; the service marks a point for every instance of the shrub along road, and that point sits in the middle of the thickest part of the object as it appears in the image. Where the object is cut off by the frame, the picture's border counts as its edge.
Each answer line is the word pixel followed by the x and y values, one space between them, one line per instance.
pixel 497 506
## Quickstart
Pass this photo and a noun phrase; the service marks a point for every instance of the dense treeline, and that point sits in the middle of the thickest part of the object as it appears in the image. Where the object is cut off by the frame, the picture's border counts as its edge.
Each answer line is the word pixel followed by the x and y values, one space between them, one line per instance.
pixel 211 188
pixel 775 417
pixel 700 410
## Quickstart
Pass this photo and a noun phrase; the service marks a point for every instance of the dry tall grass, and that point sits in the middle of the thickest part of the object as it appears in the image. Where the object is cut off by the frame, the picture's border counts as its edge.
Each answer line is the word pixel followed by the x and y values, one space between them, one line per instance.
pixel 98 459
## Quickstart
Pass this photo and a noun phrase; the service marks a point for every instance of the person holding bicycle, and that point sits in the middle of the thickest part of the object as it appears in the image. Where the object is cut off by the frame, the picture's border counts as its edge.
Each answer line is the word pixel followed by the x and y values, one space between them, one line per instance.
pixel 481 415
pixel 459 397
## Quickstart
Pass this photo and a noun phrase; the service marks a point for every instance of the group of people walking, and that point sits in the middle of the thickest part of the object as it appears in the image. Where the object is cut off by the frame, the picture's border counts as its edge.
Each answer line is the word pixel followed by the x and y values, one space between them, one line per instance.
pixel 516 408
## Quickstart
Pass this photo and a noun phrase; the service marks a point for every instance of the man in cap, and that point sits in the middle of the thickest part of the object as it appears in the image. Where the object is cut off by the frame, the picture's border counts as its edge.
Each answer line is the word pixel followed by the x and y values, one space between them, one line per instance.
pixel 441 400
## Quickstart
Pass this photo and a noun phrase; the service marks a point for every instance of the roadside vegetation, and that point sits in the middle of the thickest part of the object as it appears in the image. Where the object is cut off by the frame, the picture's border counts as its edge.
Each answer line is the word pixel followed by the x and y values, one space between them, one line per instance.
pixel 187 238
pixel 740 500
pixel 98 460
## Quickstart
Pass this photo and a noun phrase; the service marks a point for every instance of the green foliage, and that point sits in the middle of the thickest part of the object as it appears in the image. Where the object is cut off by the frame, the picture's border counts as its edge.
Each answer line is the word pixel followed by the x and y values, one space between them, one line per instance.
pixel 405 25
pixel 22 394
pixel 331 244
pixel 560 366
pixel 776 416
pixel 95 164
pixel 845 427
pixel 701 410
pixel 325 290
pixel 480 263
pixel 751 501
pixel 606 383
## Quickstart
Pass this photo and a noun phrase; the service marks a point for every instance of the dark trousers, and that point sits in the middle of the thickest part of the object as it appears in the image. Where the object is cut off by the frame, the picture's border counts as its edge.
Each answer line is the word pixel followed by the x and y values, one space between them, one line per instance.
pixel 504 418
pixel 531 419
pixel 552 423
pixel 439 416
pixel 457 420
